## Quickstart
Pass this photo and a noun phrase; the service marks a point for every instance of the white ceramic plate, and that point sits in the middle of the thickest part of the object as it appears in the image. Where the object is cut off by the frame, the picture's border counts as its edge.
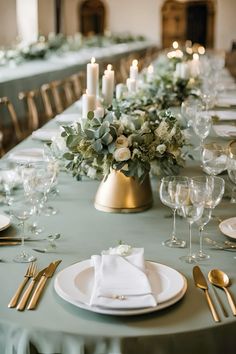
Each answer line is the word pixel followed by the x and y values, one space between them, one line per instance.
pixel 45 134
pixel 228 227
pixel 225 130
pixel 4 222
pixel 27 155
pixel 75 283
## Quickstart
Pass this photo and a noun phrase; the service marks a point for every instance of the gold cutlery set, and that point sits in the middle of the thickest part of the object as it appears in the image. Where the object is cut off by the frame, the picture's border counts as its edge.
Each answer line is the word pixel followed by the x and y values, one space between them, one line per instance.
pixel 39 278
pixel 217 278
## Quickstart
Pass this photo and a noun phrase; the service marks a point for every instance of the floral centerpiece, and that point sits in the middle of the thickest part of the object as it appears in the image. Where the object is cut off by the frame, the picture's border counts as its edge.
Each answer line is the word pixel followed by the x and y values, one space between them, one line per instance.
pixel 133 144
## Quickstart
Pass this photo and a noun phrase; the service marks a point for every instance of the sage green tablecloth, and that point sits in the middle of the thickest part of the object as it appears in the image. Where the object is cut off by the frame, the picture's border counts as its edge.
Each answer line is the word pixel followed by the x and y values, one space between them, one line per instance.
pixel 59 327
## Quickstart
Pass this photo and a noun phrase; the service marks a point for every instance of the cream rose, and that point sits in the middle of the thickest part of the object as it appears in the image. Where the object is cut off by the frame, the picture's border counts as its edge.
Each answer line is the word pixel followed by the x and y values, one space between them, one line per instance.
pixel 122 154
pixel 122 141
pixel 161 148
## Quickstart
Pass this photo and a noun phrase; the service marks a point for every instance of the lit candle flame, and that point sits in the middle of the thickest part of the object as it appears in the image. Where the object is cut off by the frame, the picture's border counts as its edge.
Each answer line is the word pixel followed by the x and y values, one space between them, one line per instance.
pixel 150 69
pixel 201 50
pixel 195 56
pixel 175 45
pixel 135 62
pixel 93 60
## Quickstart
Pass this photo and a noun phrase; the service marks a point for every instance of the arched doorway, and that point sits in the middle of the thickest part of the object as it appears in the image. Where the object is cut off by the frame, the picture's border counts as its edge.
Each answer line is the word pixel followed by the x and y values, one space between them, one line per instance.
pixel 188 20
pixel 92 17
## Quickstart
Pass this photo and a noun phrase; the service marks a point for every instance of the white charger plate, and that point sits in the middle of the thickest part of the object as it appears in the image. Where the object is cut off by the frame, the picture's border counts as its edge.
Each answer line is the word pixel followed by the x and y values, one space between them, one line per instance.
pixel 225 130
pixel 4 222
pixel 27 155
pixel 228 227
pixel 74 284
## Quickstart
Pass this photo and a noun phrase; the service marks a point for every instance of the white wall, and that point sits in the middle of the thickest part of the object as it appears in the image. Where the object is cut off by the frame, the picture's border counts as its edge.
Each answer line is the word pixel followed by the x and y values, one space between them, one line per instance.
pixel 8 28
pixel 136 16
pixel 225 25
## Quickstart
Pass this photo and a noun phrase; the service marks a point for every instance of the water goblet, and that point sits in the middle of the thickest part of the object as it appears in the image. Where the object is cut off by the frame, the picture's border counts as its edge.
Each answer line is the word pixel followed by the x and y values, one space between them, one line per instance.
pixel 213 188
pixel 21 209
pixel 168 190
pixel 192 208
pixel 189 107
pixel 231 169
pixel 202 125
pixel 214 158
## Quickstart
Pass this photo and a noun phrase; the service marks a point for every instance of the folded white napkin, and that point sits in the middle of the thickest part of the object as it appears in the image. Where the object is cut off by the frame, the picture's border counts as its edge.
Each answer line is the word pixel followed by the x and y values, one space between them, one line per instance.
pixel 68 118
pixel 121 282
pixel 225 130
pixel 45 134
pixel 27 155
pixel 224 115
pixel 225 101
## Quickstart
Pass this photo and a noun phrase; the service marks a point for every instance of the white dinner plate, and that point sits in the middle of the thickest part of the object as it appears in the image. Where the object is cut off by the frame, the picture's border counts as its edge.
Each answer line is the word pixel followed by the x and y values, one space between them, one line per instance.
pixel 228 227
pixel 75 283
pixel 4 222
pixel 27 155
pixel 45 134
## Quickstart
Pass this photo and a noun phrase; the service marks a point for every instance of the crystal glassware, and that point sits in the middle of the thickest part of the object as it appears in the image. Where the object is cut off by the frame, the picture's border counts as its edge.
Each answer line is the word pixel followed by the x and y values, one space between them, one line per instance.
pixel 214 159
pixel 213 188
pixel 231 169
pixel 168 190
pixel 192 206
pixel 21 209
pixel 202 125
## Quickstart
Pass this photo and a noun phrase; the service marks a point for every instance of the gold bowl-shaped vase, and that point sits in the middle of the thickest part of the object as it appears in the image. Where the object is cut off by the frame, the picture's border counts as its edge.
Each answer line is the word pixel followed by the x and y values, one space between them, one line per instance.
pixel 121 194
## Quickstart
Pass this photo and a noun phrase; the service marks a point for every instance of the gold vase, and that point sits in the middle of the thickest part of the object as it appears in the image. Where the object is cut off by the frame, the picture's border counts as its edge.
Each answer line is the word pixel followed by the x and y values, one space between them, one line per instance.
pixel 121 194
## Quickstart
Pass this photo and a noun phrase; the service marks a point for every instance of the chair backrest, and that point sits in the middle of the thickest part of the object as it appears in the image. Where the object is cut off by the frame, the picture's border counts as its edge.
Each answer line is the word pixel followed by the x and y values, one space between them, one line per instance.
pixel 57 87
pixel 69 93
pixel 46 94
pixel 12 113
pixel 78 81
pixel 33 114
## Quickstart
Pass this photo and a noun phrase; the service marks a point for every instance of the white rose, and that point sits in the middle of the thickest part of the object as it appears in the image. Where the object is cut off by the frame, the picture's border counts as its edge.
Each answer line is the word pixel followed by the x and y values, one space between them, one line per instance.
pixel 91 172
pixel 122 154
pixel 161 148
pixel 122 141
pixel 121 250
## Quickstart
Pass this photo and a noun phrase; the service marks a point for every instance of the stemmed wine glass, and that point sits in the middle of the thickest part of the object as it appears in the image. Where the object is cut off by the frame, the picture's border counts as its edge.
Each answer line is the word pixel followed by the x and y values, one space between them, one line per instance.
pixel 191 200
pixel 214 158
pixel 214 189
pixel 21 209
pixel 168 190
pixel 189 108
pixel 202 125
pixel 231 169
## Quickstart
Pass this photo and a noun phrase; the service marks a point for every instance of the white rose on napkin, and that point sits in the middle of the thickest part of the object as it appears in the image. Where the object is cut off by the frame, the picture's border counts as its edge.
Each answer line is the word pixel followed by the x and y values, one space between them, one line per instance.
pixel 121 281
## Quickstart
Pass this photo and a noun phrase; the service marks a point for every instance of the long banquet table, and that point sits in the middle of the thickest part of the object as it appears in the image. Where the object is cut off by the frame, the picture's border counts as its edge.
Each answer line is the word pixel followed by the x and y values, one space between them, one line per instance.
pixel 59 327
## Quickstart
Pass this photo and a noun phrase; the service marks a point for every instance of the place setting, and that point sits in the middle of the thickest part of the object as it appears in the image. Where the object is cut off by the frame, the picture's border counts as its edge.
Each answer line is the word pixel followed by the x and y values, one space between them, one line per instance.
pixel 120 282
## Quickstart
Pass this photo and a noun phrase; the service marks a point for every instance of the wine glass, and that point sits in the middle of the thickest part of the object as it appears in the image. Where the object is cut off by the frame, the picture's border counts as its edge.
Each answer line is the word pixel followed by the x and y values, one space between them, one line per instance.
pixel 189 108
pixel 214 191
pixel 192 207
pixel 168 189
pixel 45 178
pixel 21 209
pixel 202 125
pixel 214 158
pixel 231 169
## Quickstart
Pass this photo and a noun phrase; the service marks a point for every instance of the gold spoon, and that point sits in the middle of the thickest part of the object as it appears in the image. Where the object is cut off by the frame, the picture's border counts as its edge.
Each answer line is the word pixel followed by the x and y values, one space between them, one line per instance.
pixel 218 278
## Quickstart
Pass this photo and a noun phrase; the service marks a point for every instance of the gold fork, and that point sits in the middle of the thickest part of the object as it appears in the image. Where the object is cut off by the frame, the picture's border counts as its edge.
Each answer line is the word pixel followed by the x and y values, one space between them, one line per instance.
pixel 29 273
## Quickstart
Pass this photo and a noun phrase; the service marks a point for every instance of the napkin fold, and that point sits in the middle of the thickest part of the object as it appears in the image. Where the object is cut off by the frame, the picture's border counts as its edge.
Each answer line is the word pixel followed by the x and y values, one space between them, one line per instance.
pixel 68 118
pixel 225 130
pixel 121 282
pixel 45 134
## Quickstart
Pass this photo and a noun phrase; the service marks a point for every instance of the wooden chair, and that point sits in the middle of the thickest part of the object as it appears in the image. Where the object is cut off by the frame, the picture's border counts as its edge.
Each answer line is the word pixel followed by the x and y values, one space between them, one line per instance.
pixel 47 100
pixel 78 82
pixel 32 109
pixel 57 91
pixel 11 133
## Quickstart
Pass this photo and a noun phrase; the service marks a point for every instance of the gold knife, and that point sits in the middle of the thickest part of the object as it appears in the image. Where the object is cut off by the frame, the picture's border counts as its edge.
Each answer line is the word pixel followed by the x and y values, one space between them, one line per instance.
pixel 201 283
pixel 28 291
pixel 38 291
